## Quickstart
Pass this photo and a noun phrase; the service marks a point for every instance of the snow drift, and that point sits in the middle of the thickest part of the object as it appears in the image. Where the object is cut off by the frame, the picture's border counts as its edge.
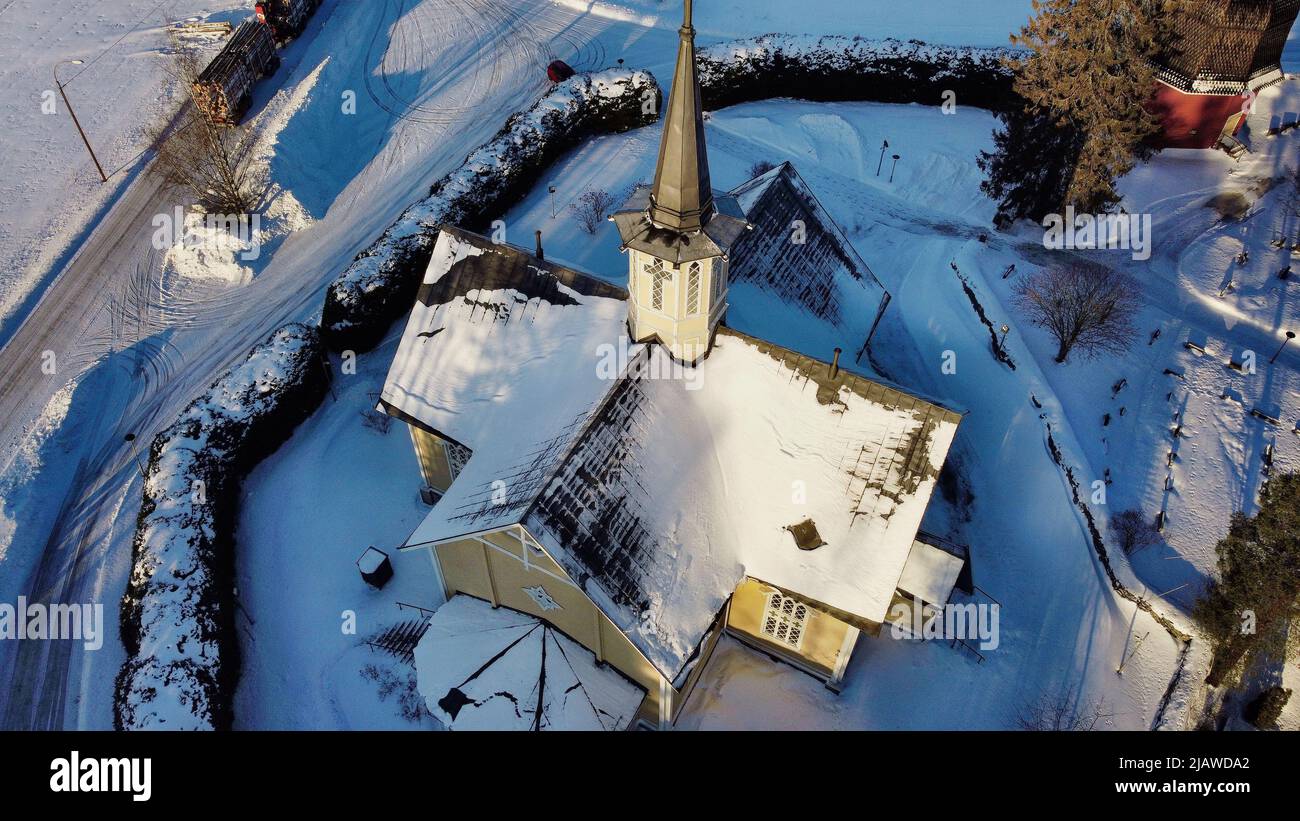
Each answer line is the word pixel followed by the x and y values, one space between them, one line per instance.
pixel 379 286
pixel 178 610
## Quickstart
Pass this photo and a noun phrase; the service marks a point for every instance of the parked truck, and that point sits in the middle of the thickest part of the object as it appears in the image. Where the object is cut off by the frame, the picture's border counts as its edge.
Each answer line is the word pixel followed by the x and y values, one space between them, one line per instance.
pixel 286 18
pixel 224 89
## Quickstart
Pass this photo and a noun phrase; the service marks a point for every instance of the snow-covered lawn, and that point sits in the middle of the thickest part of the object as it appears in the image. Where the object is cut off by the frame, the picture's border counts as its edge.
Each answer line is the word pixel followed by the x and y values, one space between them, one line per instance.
pixel 306 515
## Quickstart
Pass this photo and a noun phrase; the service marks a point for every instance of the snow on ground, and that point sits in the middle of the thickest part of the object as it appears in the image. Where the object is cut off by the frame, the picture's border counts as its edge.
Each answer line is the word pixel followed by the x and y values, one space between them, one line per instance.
pixel 49 187
pixel 421 109
pixel 936 21
pixel 307 514
pixel 1068 635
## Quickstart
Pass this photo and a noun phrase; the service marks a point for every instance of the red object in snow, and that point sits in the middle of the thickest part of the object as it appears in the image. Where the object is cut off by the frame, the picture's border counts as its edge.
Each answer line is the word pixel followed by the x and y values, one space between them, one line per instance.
pixel 559 71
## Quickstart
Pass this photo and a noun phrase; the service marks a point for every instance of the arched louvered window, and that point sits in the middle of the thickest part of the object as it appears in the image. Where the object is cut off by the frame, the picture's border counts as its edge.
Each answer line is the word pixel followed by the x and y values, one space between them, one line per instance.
pixel 693 289
pixel 655 270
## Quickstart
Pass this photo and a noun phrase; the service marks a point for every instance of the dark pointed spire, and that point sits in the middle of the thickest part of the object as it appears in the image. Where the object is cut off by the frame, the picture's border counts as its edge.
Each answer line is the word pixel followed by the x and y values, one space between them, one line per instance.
pixel 682 198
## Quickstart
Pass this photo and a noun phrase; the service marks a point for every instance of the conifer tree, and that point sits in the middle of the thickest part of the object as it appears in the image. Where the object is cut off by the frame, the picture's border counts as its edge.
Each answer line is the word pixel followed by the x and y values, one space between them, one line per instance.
pixel 1249 609
pixel 1085 87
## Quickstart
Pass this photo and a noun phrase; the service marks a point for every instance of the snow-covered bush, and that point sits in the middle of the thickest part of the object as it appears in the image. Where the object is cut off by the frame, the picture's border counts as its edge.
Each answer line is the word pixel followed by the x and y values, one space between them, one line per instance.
pixel 380 284
pixel 853 68
pixel 177 612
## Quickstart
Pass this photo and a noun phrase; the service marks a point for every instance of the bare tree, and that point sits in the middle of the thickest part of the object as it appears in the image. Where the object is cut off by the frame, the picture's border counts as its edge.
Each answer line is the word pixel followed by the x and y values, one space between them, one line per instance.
pixel 1083 306
pixel 212 162
pixel 591 208
pixel 760 168
pixel 1061 713
pixel 1134 531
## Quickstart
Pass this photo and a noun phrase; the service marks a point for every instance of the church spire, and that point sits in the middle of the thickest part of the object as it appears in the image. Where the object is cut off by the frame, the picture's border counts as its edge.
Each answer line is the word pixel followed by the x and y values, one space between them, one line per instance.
pixel 682 198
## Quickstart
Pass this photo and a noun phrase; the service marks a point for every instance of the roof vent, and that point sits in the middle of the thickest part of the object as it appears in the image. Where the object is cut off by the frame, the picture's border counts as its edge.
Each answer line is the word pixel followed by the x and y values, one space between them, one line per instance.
pixel 805 535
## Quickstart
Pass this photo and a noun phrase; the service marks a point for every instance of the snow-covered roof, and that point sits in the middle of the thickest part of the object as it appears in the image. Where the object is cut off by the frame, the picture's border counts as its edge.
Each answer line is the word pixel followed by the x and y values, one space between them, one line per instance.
pixel 930 573
pixel 500 354
pixel 658 488
pixel 485 668
pixel 679 488
pixel 798 254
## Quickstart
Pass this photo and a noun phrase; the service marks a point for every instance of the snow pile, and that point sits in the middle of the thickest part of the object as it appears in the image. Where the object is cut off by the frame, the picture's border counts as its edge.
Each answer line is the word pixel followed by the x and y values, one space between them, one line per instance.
pixel 377 288
pixel 206 251
pixel 853 68
pixel 177 613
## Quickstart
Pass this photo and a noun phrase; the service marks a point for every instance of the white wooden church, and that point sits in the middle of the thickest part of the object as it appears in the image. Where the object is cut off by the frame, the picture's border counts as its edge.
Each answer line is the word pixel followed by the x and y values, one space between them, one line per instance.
pixel 621 478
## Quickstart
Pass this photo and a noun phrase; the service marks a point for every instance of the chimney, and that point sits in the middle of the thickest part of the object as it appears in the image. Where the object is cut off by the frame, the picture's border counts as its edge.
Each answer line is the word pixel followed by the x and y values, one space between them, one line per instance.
pixel 835 364
pixel 540 254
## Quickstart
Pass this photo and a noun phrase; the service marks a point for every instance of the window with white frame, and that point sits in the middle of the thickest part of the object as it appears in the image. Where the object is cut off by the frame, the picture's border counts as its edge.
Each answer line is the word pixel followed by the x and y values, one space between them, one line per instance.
pixel 657 276
pixel 784 620
pixel 693 289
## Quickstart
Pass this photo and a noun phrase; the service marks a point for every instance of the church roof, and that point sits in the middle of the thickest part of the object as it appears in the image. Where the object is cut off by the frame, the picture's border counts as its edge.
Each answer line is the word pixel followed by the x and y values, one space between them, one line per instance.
pixel 821 274
pixel 682 198
pixel 658 488
pixel 680 218
pixel 485 668
pixel 716 238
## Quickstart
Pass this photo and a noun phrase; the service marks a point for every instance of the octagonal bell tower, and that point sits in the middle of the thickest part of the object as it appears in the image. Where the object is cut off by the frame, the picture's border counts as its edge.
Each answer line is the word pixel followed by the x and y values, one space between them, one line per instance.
pixel 678 232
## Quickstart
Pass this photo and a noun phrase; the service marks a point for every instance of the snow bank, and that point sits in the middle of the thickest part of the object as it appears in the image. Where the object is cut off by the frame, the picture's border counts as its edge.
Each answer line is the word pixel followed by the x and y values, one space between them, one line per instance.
pixel 853 68
pixel 177 613
pixel 379 285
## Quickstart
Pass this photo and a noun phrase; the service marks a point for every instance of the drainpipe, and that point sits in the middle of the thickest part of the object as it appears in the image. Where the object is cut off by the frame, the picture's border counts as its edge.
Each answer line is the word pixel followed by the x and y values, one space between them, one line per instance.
pixel 540 254
pixel 835 364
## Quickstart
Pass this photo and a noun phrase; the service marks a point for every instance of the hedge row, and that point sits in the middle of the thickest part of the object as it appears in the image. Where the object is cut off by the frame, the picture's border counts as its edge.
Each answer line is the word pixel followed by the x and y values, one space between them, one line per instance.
pixel 177 614
pixel 853 68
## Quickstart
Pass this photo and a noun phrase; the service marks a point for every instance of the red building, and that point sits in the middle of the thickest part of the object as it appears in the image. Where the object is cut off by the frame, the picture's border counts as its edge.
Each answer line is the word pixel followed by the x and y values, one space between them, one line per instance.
pixel 1224 51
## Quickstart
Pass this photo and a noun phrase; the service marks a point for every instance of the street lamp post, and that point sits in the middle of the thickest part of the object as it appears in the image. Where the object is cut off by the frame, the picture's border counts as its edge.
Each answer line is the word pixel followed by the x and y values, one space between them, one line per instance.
pixel 881 164
pixel 551 189
pixel 894 168
pixel 1290 335
pixel 76 122
pixel 129 439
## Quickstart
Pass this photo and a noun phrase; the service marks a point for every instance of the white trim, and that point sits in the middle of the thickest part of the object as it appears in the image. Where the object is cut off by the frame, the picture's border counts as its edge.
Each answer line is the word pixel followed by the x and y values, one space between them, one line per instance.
pixel 517 557
pixel 437 572
pixel 665 704
pixel 842 660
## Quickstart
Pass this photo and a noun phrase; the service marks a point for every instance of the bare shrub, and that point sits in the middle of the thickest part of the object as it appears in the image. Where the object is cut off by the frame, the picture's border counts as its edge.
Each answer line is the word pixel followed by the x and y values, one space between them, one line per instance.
pixel 1062 712
pixel 591 207
pixel 760 168
pixel 1087 307
pixel 1134 531
pixel 211 162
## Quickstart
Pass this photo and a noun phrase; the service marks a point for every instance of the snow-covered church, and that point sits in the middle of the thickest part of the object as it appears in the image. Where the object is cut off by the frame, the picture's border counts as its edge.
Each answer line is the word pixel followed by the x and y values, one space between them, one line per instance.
pixel 620 477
